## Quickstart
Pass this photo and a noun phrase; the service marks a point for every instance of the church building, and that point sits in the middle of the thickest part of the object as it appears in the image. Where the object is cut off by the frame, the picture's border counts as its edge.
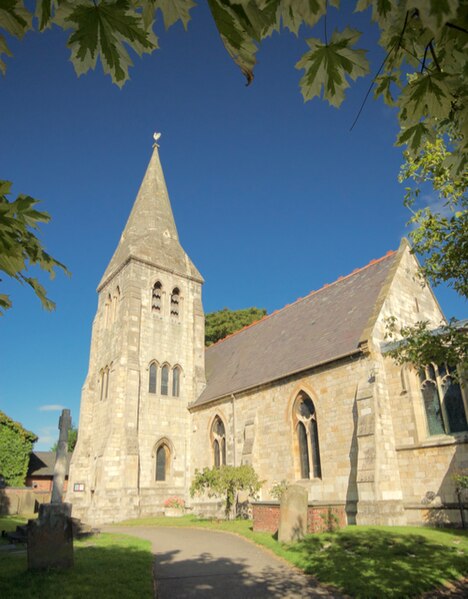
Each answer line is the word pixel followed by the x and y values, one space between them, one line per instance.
pixel 307 394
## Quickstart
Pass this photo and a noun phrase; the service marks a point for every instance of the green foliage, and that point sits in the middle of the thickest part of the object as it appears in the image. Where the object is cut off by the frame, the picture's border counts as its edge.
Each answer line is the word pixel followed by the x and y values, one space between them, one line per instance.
pixel 439 234
pixel 15 446
pixel 226 482
pixel 330 520
pixel 19 246
pixel 72 439
pixel 225 322
pixel 278 489
pixel 420 345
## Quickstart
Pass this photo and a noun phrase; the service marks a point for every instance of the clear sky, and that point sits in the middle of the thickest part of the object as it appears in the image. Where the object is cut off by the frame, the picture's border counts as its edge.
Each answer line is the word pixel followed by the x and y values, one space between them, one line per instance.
pixel 272 197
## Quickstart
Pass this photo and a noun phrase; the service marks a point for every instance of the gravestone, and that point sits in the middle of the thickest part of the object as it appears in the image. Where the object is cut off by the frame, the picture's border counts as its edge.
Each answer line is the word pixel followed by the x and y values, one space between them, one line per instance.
pixel 293 514
pixel 50 537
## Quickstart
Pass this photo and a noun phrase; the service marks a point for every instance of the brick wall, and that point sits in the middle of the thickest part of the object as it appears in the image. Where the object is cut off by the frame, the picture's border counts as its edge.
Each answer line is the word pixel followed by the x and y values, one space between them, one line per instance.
pixel 266 516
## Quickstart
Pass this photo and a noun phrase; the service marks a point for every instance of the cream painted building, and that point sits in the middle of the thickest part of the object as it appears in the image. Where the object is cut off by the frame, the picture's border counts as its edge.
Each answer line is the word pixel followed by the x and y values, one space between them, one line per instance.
pixel 307 394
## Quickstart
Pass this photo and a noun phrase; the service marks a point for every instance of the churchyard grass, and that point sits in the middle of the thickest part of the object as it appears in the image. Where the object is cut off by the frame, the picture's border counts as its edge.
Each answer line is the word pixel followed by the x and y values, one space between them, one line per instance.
pixel 362 561
pixel 106 566
pixel 9 524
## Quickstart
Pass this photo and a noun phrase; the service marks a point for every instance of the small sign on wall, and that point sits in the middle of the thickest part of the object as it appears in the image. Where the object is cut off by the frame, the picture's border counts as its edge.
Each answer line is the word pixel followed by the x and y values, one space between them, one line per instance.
pixel 78 487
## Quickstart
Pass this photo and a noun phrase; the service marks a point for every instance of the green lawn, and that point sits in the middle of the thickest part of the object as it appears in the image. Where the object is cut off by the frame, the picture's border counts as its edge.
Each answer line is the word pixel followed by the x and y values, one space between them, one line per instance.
pixel 364 562
pixel 106 566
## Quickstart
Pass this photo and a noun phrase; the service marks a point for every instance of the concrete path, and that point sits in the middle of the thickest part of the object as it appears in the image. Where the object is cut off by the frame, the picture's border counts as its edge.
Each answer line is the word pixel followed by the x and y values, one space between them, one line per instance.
pixel 204 564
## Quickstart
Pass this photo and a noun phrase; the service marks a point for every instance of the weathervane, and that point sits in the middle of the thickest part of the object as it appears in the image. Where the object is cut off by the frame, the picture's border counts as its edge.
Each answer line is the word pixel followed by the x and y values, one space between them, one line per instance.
pixel 156 136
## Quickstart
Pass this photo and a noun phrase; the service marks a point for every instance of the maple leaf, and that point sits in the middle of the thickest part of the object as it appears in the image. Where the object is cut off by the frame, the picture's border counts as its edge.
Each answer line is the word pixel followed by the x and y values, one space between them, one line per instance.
pixel 328 66
pixel 425 95
pixel 101 30
pixel 15 20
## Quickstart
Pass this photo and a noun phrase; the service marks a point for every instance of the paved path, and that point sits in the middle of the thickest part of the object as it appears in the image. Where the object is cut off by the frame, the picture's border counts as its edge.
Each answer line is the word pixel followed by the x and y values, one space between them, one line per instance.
pixel 204 564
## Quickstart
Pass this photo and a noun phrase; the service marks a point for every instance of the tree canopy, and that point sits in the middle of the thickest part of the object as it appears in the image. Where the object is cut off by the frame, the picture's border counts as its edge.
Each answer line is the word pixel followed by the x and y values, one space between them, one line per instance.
pixel 423 73
pixel 16 444
pixel 72 439
pixel 225 322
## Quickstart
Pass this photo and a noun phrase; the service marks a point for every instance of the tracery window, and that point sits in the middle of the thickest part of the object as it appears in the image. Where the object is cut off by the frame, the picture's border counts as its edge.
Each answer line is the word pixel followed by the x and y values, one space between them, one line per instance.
pixel 307 437
pixel 153 369
pixel 176 381
pixel 175 300
pixel 162 462
pixel 443 400
pixel 218 436
pixel 156 297
pixel 165 380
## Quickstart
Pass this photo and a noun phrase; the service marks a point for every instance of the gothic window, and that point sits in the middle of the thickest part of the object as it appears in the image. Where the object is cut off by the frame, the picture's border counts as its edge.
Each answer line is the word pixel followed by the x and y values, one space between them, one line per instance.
pixel 175 300
pixel 443 400
pixel 104 391
pixel 176 381
pixel 152 378
pixel 108 311
pixel 165 380
pixel 307 437
pixel 115 303
pixel 156 298
pixel 218 436
pixel 162 462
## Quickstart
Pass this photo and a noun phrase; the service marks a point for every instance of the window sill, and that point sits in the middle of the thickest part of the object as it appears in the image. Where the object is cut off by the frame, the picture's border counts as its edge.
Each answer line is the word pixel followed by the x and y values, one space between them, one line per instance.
pixel 437 441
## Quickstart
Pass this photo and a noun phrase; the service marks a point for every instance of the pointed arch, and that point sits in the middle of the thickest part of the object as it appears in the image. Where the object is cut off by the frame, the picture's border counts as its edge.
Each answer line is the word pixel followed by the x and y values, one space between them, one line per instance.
pixel 152 376
pixel 218 442
pixel 176 375
pixel 165 379
pixel 156 297
pixel 116 303
pixel 307 437
pixel 163 454
pixel 175 302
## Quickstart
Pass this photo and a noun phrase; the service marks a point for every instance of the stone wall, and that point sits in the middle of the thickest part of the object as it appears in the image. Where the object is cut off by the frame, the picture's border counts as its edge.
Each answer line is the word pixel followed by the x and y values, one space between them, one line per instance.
pixel 320 516
pixel 21 501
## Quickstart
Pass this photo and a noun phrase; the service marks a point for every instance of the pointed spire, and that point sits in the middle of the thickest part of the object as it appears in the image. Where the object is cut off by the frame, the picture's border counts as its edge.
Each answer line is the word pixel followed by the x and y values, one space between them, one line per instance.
pixel 150 234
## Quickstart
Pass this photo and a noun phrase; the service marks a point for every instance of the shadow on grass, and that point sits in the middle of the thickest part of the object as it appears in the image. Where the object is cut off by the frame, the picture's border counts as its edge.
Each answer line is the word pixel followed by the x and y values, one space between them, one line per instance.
pixel 379 563
pixel 107 572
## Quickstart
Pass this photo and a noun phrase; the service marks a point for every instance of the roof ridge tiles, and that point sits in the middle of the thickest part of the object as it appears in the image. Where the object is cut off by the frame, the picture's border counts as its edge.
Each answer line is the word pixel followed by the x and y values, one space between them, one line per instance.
pixel 340 279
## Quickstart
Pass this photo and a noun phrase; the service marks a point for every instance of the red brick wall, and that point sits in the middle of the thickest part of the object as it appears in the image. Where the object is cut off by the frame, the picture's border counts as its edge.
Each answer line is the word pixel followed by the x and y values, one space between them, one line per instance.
pixel 266 517
pixel 43 483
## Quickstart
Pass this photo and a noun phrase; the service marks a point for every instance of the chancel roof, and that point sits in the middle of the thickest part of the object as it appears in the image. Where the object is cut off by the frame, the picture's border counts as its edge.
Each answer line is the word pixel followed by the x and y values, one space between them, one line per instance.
pixel 325 325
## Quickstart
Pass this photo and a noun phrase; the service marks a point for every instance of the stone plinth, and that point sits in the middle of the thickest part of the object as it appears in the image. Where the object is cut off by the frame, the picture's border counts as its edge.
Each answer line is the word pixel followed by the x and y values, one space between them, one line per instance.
pixel 50 538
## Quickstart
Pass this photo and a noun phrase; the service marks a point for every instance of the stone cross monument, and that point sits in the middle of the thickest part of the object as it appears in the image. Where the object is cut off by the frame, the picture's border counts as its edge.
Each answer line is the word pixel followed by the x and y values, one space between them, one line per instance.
pixel 50 537
pixel 60 467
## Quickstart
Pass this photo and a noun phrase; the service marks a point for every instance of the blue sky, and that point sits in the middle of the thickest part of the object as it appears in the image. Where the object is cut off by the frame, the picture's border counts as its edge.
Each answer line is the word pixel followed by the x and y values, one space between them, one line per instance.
pixel 272 197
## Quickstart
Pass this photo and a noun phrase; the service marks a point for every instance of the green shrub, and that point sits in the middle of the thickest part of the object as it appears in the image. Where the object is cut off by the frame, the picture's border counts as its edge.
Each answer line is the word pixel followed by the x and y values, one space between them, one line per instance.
pixel 16 444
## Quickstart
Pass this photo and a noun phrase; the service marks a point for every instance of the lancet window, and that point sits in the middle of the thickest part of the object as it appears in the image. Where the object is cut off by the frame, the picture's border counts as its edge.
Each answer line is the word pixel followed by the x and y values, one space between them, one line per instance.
pixel 165 380
pixel 163 456
pixel 443 400
pixel 152 379
pixel 176 381
pixel 218 439
pixel 105 375
pixel 307 437
pixel 175 302
pixel 156 298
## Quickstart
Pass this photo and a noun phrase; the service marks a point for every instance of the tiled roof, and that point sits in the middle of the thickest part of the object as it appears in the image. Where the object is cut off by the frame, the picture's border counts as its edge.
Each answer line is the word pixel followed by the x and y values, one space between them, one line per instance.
pixel 321 327
pixel 41 463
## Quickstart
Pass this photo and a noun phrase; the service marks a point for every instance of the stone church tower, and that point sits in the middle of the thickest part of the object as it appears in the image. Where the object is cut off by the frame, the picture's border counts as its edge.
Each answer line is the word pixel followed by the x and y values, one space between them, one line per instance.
pixel 146 366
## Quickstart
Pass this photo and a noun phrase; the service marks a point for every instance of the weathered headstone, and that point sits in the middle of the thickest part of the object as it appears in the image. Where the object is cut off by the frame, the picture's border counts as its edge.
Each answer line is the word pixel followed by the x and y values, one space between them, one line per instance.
pixel 293 514
pixel 50 537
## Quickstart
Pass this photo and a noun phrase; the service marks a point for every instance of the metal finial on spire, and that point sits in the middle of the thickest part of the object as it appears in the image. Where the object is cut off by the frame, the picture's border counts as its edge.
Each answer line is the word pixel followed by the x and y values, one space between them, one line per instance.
pixel 156 136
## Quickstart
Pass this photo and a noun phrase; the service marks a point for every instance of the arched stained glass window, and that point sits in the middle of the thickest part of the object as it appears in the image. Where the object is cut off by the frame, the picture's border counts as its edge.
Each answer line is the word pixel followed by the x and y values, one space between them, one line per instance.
pixel 303 450
pixel 156 298
pixel 218 436
pixel 307 437
pixel 443 400
pixel 175 301
pixel 153 370
pixel 162 462
pixel 176 381
pixel 165 380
